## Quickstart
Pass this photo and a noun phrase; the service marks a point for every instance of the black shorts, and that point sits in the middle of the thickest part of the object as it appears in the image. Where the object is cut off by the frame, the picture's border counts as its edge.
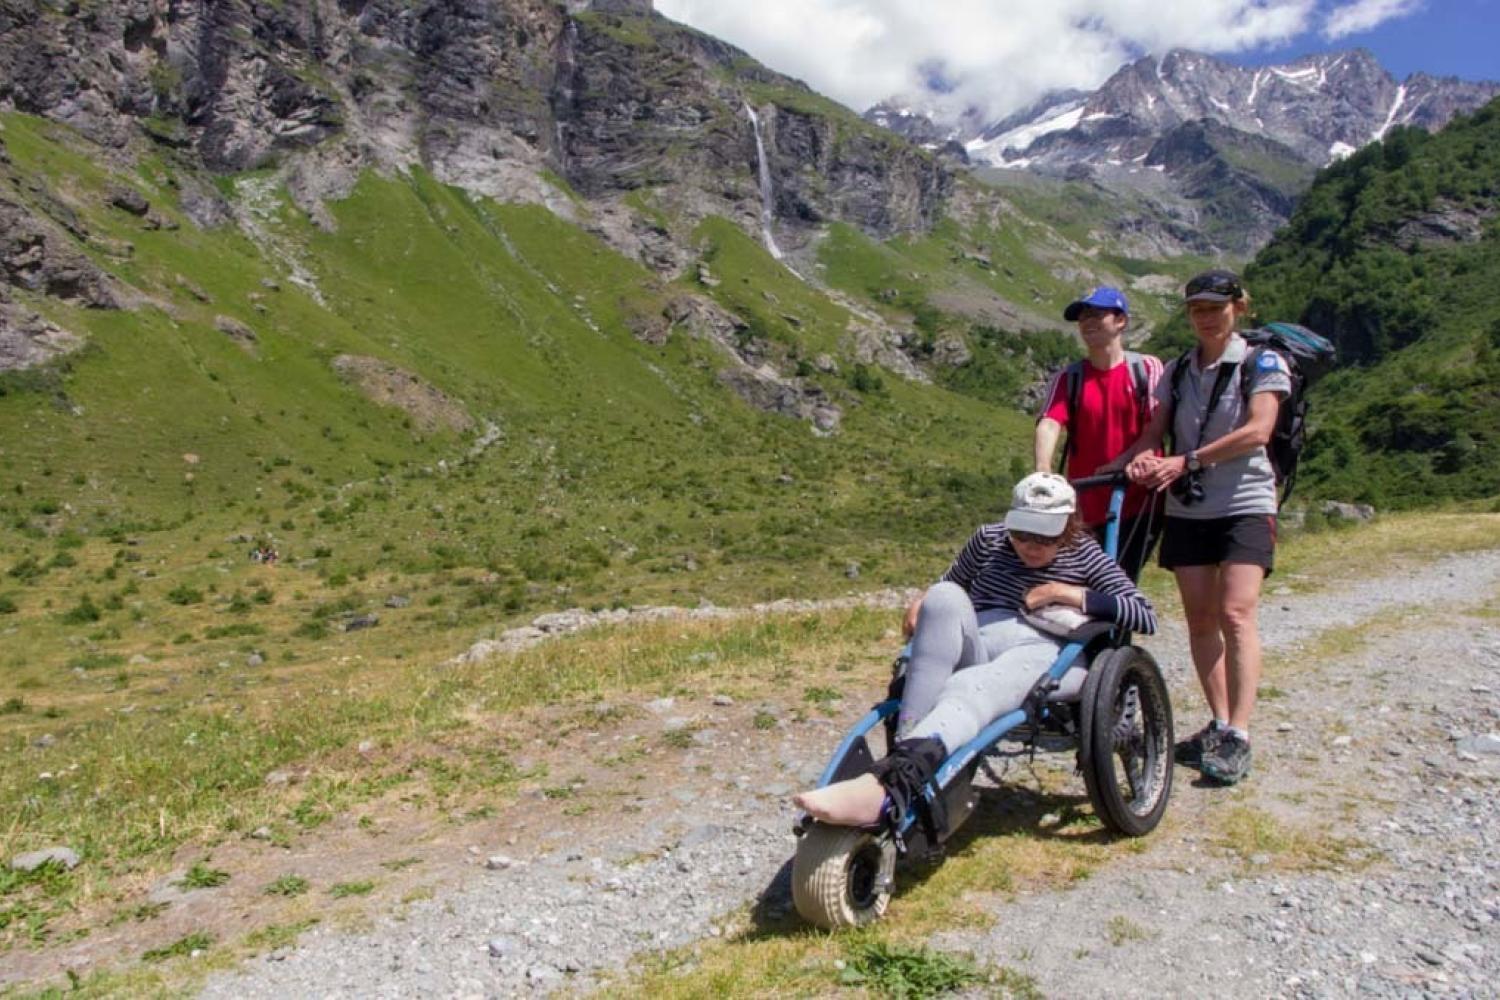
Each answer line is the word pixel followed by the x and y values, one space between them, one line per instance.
pixel 1246 538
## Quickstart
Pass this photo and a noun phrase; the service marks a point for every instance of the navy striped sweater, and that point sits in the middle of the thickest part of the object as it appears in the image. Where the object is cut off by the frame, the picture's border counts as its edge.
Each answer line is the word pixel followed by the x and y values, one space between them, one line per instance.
pixel 994 576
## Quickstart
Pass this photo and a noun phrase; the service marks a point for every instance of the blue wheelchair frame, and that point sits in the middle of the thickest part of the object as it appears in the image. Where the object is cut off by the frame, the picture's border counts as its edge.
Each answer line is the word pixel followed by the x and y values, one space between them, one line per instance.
pixel 991 734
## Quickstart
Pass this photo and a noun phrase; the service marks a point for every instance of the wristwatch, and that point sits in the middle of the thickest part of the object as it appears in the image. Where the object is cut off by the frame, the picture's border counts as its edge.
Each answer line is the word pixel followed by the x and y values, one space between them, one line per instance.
pixel 1193 465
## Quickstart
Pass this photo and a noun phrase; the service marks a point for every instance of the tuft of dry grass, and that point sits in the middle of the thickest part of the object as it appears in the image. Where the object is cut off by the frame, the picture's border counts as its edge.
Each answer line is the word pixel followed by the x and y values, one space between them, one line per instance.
pixel 1259 838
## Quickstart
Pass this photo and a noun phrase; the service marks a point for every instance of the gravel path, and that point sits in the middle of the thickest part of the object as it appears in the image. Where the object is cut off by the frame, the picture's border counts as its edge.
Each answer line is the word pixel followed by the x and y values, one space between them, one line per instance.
pixel 1387 750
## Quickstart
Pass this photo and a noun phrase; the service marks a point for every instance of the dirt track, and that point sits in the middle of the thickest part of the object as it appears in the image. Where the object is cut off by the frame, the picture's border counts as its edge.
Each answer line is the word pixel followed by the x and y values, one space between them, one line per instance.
pixel 1381 752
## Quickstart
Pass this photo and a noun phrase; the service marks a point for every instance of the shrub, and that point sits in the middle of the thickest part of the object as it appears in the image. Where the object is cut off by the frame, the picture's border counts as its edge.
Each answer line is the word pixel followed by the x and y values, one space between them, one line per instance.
pixel 311 630
pixel 184 595
pixel 82 613
pixel 7 605
pixel 27 570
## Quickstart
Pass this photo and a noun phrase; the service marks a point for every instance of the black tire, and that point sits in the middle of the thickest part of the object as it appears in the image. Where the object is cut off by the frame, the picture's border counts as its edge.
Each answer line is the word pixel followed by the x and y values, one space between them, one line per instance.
pixel 842 876
pixel 1125 744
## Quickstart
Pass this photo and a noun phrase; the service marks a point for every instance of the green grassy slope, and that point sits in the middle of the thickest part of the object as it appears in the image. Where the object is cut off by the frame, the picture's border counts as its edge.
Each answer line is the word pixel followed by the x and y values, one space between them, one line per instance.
pixel 616 458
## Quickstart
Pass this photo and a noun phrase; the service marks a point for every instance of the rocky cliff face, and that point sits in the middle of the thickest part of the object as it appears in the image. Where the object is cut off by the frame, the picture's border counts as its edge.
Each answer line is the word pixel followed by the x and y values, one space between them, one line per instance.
pixel 491 95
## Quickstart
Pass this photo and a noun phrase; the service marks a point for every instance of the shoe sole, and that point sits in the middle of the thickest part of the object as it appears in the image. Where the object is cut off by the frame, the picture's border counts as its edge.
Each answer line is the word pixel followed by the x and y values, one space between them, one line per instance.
pixel 1222 777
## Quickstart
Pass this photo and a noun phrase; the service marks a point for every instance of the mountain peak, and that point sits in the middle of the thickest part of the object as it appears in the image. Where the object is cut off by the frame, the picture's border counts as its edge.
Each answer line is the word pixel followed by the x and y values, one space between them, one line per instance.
pixel 1278 122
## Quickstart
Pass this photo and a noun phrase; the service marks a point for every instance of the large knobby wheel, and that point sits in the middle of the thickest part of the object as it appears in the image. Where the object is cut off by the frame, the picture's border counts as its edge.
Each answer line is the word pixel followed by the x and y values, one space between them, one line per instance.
pixel 842 876
pixel 1125 747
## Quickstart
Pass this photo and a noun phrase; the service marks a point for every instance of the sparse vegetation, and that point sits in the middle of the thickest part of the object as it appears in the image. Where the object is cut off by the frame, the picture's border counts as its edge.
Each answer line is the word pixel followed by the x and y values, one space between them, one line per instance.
pixel 891 970
pixel 1257 837
pixel 343 890
pixel 1121 930
pixel 200 876
pixel 184 947
pixel 288 885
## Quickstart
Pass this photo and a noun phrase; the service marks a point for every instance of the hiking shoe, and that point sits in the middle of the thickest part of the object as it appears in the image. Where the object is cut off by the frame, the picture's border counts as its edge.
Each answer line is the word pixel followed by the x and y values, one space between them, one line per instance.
pixel 1229 761
pixel 1192 750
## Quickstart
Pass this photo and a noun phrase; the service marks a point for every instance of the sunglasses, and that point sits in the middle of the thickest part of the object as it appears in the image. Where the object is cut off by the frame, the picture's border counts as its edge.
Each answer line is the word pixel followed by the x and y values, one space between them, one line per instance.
pixel 1028 538
pixel 1214 284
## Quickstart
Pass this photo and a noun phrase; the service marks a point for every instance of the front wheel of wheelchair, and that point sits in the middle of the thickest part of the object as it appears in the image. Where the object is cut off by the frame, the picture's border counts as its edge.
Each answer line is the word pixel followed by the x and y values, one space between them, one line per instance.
pixel 842 876
pixel 1125 746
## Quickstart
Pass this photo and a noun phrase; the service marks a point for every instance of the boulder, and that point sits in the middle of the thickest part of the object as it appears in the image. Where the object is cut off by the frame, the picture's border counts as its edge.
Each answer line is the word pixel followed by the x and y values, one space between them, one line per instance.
pixel 1347 511
pixel 129 200
pixel 66 857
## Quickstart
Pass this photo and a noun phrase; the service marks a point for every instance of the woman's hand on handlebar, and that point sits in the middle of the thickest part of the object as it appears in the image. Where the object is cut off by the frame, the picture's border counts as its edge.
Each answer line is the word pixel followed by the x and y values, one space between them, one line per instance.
pixel 909 622
pixel 1156 472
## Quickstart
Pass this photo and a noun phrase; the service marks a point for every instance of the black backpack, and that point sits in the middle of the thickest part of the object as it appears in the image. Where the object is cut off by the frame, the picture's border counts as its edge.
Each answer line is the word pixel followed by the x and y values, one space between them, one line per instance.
pixel 1308 357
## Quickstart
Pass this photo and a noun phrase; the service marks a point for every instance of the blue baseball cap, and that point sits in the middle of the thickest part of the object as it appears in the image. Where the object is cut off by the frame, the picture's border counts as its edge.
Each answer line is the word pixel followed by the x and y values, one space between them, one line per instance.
pixel 1103 297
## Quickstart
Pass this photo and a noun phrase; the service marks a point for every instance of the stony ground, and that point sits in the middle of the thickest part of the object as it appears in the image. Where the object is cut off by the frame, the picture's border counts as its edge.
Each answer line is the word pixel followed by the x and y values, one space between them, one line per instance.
pixel 1378 872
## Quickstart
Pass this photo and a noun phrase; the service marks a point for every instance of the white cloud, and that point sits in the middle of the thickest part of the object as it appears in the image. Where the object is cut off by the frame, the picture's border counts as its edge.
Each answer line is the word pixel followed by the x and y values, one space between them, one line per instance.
pixel 1362 15
pixel 997 54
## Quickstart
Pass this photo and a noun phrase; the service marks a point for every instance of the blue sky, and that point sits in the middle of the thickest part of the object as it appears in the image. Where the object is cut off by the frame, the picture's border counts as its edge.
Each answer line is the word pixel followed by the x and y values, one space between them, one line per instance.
pixel 999 55
pixel 1444 38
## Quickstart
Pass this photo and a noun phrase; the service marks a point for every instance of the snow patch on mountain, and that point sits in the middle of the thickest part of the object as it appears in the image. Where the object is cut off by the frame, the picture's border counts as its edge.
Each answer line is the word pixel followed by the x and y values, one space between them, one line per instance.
pixel 1059 118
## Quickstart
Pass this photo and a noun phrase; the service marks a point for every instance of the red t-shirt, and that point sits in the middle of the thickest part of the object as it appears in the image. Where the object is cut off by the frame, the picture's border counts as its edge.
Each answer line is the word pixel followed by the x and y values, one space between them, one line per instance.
pixel 1107 422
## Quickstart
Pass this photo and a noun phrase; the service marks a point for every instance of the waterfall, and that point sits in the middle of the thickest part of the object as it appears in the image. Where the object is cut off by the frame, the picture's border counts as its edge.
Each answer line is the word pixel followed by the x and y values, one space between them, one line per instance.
pixel 766 192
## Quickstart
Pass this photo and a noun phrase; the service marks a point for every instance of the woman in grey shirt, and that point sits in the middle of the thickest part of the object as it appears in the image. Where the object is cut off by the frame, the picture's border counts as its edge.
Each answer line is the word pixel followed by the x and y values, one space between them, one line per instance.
pixel 1220 533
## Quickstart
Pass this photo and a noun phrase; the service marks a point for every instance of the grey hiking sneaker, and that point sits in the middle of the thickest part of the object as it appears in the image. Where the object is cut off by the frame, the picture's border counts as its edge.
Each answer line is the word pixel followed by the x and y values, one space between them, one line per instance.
pixel 1191 750
pixel 1229 761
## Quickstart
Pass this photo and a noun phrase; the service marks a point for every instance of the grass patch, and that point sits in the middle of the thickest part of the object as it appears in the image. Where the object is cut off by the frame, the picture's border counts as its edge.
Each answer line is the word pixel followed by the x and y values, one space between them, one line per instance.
pixel 1259 838
pixel 893 970
pixel 344 890
pixel 287 885
pixel 1121 930
pixel 183 947
pixel 279 935
pixel 139 914
pixel 200 876
pixel 821 696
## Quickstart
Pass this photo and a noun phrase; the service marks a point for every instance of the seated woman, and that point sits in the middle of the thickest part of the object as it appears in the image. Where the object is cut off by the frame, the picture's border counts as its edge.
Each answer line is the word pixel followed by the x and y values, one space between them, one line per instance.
pixel 974 655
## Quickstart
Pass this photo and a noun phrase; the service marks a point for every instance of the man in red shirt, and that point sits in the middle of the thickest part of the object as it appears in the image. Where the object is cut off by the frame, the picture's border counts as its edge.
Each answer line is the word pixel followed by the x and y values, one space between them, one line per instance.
pixel 1104 401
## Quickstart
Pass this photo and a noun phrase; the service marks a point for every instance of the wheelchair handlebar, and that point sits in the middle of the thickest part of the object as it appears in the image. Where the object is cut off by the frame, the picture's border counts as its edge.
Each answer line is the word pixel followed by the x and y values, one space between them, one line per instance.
pixel 1104 479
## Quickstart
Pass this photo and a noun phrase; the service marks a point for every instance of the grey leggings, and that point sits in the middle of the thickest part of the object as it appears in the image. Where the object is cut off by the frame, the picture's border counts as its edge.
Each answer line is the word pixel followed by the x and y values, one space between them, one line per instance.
pixel 968 669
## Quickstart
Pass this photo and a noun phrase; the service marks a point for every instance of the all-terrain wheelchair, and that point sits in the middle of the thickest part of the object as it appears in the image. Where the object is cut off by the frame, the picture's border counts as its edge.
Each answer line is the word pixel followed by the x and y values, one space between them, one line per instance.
pixel 1103 695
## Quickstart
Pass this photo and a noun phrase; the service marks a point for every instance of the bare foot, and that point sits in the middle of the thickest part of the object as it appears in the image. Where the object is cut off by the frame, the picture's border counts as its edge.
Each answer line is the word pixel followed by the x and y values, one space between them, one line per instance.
pixel 856 802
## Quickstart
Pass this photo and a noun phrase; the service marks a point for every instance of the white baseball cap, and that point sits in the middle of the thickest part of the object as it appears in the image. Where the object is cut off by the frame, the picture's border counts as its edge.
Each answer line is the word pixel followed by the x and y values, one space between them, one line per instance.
pixel 1041 504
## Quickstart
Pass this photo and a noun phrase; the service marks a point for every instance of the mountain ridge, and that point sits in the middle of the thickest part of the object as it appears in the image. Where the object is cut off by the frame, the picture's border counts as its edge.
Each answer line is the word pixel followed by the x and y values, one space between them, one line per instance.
pixel 1314 110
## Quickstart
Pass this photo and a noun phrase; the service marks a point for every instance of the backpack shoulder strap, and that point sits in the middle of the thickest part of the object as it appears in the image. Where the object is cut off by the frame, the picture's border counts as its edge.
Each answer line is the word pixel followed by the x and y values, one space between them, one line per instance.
pixel 1142 384
pixel 1074 376
pixel 1247 371
pixel 1221 382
